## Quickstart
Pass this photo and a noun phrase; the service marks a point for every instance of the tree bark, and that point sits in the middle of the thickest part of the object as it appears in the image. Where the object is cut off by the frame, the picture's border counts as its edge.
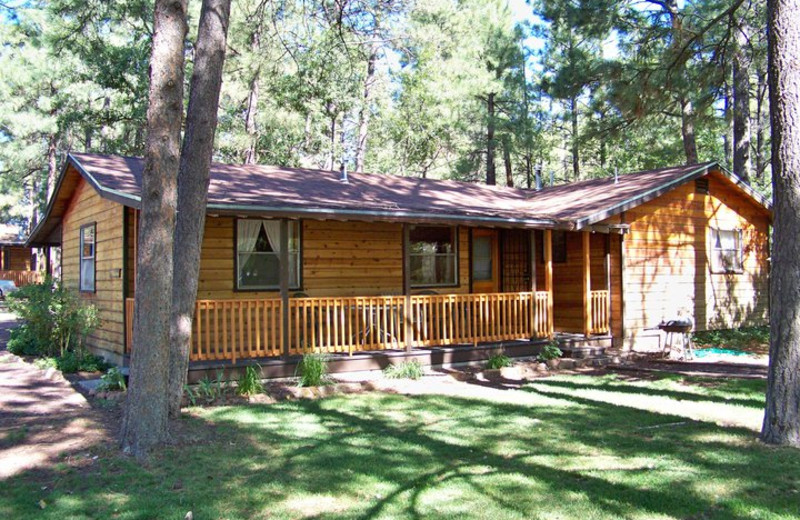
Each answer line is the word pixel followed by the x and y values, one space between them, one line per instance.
pixel 145 419
pixel 727 137
pixel 52 164
pixel 761 124
pixel 364 113
pixel 507 163
pixel 687 131
pixel 782 413
pixel 251 154
pixel 491 175
pixel 193 179
pixel 576 160
pixel 741 104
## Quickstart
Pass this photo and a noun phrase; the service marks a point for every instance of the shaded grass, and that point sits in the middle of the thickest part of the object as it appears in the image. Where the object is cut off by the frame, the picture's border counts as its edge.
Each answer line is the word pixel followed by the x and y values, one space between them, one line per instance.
pixel 558 455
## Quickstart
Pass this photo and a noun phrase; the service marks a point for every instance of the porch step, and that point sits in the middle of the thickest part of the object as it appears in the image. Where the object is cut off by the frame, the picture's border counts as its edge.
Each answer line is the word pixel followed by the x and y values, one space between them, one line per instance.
pixel 582 347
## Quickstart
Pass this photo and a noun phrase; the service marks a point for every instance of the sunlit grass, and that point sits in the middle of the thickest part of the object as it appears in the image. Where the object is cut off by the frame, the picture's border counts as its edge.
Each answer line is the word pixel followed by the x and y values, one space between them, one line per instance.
pixel 585 450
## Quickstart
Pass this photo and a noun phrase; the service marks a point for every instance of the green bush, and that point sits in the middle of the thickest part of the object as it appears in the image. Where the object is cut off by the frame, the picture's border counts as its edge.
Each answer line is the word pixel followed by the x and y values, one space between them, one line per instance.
pixel 80 361
pixel 55 320
pixel 312 369
pixel 405 370
pixel 550 351
pixel 250 382
pixel 498 361
pixel 114 379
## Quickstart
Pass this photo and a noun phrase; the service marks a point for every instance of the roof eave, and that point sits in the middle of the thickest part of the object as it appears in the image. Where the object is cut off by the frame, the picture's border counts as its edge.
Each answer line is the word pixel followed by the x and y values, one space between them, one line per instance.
pixel 700 171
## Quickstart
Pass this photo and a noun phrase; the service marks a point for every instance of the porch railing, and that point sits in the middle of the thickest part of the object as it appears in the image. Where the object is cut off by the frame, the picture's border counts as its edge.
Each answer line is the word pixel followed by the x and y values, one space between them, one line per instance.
pixel 22 278
pixel 236 329
pixel 599 303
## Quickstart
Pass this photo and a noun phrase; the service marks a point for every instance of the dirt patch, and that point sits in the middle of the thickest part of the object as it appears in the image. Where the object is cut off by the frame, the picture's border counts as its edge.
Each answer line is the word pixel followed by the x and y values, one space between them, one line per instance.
pixel 43 420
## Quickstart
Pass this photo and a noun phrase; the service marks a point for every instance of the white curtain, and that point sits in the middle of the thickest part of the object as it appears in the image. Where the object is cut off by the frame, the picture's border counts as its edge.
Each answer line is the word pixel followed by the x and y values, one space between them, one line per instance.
pixel 273 229
pixel 248 235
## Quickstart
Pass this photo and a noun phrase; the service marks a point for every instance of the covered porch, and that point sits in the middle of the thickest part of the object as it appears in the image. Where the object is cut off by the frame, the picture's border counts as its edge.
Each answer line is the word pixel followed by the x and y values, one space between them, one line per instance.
pixel 513 296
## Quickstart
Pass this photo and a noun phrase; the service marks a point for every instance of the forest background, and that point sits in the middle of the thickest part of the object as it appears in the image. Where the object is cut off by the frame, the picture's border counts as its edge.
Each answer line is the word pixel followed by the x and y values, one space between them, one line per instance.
pixel 475 90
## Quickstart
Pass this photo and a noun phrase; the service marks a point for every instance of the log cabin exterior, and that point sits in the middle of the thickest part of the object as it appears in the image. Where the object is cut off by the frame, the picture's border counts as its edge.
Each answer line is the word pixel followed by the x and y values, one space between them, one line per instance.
pixel 17 262
pixel 302 260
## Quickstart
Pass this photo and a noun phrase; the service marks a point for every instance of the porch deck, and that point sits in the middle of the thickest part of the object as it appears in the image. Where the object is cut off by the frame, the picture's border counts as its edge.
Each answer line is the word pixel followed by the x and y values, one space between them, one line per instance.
pixel 263 329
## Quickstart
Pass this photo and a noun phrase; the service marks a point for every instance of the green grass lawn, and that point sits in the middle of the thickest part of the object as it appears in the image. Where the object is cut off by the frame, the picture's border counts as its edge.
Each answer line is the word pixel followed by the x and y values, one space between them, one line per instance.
pixel 574 447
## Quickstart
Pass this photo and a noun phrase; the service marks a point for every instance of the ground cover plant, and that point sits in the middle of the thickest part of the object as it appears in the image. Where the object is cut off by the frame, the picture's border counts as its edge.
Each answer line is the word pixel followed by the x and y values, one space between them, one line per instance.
pixel 637 447
pixel 405 370
pixel 498 361
pixel 754 340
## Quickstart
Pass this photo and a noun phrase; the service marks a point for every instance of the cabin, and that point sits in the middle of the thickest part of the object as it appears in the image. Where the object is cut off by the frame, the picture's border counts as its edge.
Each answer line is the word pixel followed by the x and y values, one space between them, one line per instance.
pixel 17 262
pixel 372 268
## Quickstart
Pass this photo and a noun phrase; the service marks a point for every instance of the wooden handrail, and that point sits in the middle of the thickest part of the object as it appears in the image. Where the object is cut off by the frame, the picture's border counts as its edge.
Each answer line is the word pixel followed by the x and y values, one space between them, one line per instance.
pixel 22 278
pixel 236 329
pixel 599 304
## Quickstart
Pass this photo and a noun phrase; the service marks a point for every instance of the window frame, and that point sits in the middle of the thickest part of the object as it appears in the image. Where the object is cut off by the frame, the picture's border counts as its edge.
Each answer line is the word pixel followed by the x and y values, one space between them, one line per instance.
pixel 456 257
pixel 717 267
pixel 82 259
pixel 298 287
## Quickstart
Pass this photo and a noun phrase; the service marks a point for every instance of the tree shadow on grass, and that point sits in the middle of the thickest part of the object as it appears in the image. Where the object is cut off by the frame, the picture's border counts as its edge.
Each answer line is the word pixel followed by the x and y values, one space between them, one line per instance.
pixel 429 456
pixel 620 387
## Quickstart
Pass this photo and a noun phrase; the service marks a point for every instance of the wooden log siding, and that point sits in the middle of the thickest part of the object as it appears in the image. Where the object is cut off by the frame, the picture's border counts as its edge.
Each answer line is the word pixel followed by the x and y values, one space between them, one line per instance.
pixel 22 278
pixel 241 329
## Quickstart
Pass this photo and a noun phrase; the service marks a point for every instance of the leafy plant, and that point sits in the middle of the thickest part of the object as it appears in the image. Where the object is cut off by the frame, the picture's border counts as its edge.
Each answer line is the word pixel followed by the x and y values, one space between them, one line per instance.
pixel 113 379
pixel 45 363
pixel 405 370
pixel 550 351
pixel 192 394
pixel 498 361
pixel 312 369
pixel 80 361
pixel 56 321
pixel 250 382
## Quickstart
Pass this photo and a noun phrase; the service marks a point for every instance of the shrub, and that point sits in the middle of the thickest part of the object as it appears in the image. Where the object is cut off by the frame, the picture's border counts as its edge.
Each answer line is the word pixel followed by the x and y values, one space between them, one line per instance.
pixel 80 361
pixel 114 379
pixel 405 370
pixel 498 361
pixel 45 363
pixel 22 342
pixel 250 382
pixel 56 321
pixel 550 351
pixel 312 369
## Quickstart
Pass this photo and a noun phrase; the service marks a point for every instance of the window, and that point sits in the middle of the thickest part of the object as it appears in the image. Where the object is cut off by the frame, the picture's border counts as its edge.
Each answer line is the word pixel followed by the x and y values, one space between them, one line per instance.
pixel 559 246
pixel 726 250
pixel 258 247
pixel 432 256
pixel 87 255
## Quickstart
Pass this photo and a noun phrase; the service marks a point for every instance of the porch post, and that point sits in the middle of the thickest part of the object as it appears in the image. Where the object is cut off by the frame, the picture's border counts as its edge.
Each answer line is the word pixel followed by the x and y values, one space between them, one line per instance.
pixel 587 285
pixel 548 278
pixel 532 260
pixel 407 330
pixel 48 266
pixel 284 284
pixel 608 279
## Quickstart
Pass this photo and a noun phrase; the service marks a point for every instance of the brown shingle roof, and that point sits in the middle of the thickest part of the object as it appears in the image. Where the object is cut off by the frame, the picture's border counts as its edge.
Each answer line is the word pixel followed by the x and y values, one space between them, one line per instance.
pixel 297 192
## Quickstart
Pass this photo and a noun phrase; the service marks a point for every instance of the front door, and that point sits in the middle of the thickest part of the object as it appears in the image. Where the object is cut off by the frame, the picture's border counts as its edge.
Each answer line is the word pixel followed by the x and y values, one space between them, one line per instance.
pixel 485 268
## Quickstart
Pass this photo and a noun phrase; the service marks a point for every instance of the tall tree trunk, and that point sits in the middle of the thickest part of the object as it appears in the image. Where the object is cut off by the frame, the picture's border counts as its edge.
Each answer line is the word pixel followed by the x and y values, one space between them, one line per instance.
pixel 576 160
pixel 364 113
pixel 507 163
pixel 687 131
pixel 52 164
pixel 105 130
pixel 251 154
pixel 491 176
pixel 727 137
pixel 145 420
pixel 331 159
pixel 782 413
pixel 741 104
pixel 761 122
pixel 193 179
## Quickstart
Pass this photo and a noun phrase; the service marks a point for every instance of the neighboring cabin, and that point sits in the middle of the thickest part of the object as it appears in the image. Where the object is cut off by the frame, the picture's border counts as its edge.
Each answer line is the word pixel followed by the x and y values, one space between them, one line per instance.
pixel 389 263
pixel 17 262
